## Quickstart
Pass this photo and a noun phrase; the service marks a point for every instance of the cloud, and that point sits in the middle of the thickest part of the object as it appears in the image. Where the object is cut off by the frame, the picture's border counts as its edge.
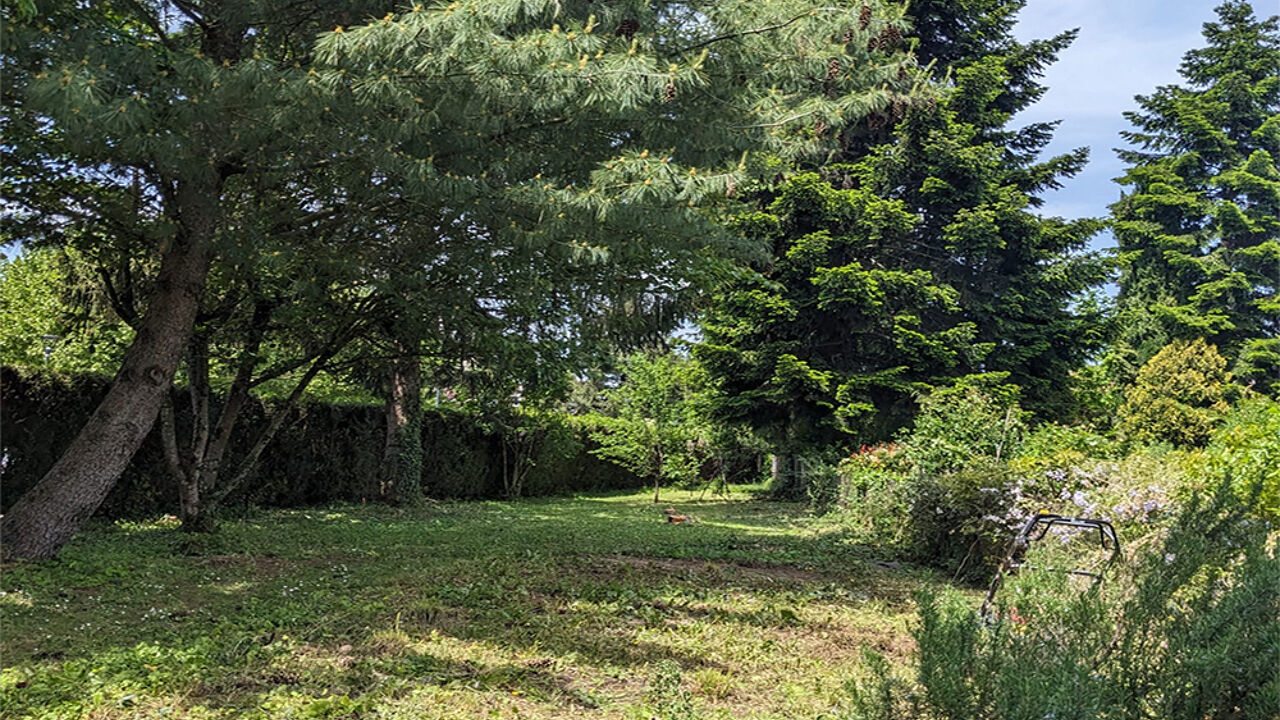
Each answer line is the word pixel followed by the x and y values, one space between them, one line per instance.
pixel 1125 48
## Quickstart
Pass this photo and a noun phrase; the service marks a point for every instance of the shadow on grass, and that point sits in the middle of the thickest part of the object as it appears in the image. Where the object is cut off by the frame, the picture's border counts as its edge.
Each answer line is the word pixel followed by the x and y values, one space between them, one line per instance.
pixel 543 598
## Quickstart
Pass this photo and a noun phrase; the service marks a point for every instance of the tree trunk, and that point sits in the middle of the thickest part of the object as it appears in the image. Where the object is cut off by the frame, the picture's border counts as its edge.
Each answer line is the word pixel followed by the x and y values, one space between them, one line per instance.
pixel 47 515
pixel 401 470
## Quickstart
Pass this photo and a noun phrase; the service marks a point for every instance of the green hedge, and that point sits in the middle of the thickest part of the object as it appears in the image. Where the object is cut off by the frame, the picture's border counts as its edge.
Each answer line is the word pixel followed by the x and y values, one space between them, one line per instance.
pixel 326 453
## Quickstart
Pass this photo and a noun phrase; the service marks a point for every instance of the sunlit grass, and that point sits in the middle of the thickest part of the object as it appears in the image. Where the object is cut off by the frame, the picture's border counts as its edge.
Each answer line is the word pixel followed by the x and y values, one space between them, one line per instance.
pixel 542 608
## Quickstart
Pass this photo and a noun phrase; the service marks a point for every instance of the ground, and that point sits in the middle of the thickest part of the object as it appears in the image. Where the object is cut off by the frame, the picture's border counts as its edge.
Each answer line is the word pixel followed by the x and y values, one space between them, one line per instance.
pixel 575 607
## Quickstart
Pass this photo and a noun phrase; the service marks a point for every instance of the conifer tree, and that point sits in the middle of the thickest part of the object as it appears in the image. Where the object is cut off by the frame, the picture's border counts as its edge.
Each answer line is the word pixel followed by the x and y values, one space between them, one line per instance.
pixel 1199 223
pixel 540 135
pixel 918 259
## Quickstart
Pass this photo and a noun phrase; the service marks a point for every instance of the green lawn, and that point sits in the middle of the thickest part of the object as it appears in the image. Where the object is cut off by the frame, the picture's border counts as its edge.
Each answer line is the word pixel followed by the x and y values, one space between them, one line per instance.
pixel 589 606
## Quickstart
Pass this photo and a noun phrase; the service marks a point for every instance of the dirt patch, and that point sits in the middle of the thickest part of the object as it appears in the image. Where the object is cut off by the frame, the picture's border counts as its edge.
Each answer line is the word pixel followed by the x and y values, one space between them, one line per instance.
pixel 758 571
pixel 269 565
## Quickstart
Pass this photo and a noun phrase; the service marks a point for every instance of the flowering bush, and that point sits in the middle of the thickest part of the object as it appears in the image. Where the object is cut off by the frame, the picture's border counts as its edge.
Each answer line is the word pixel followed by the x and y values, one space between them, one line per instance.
pixel 1186 630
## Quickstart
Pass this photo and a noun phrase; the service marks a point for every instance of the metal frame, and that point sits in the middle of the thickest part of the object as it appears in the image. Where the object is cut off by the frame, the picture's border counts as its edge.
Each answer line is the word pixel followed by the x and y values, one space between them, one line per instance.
pixel 1034 531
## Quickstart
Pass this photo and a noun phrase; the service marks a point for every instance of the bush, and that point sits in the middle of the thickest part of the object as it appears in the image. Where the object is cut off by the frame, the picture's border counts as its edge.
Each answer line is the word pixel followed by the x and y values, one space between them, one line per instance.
pixel 1246 452
pixel 964 424
pixel 1179 396
pixel 1187 630
pixel 961 521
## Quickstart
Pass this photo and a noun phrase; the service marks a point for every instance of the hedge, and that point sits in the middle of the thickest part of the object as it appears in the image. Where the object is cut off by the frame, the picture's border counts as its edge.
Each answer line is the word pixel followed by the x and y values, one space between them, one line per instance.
pixel 326 453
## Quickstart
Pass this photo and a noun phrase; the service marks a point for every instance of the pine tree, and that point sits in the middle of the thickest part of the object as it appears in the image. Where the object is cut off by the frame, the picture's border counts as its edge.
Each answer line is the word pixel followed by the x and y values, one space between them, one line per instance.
pixel 917 260
pixel 527 145
pixel 1199 224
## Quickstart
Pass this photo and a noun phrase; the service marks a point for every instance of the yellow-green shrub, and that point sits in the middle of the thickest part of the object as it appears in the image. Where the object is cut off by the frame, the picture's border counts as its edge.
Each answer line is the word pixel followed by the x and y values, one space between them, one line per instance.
pixel 1179 396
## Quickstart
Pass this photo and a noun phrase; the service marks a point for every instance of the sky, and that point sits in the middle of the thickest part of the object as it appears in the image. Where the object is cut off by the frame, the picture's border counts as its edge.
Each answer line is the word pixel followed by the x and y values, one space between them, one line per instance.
pixel 1125 48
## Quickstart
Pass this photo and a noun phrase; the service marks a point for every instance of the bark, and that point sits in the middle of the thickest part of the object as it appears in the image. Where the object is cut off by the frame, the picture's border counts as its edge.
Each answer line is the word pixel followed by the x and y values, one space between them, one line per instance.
pixel 401 469
pixel 47 515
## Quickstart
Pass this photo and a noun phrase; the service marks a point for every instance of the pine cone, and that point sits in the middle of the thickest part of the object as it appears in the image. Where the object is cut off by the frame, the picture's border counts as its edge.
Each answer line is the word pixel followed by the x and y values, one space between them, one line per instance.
pixel 864 17
pixel 628 27
pixel 833 70
pixel 819 127
pixel 669 92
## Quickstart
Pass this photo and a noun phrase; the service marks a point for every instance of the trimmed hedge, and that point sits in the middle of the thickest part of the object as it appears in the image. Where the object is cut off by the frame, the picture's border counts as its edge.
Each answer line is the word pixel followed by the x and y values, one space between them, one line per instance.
pixel 326 453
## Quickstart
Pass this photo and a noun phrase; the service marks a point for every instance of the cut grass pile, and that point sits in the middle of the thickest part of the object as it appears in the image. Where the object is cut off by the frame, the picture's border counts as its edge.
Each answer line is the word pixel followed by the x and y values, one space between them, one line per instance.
pixel 590 606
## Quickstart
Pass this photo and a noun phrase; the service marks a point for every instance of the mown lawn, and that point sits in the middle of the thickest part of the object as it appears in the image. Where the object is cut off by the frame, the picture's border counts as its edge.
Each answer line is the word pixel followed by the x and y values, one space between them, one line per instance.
pixel 589 606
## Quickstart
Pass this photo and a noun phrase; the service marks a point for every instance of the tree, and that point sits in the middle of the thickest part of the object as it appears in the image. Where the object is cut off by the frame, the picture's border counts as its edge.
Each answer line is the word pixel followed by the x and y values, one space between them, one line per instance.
pixel 659 429
pixel 50 316
pixel 917 260
pixel 131 123
pixel 1198 226
pixel 539 132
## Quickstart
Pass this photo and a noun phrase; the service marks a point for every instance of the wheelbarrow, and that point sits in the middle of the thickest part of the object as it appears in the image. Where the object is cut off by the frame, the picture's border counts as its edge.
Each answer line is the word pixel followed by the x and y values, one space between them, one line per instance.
pixel 1034 531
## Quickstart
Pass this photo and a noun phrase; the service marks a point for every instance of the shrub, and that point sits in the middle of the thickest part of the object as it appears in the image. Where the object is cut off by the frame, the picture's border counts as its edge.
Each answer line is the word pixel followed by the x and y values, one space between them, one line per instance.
pixel 873 495
pixel 1179 396
pixel 1188 630
pixel 1053 446
pixel 963 424
pixel 1246 451
pixel 961 520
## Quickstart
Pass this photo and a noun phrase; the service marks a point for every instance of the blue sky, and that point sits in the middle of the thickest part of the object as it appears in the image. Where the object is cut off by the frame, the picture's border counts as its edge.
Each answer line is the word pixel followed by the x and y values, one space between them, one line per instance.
pixel 1125 48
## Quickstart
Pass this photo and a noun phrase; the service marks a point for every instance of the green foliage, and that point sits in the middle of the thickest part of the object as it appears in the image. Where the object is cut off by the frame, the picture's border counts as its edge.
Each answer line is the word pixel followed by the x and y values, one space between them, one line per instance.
pixel 1185 630
pixel 1052 446
pixel 975 421
pixel 962 520
pixel 43 294
pixel 327 452
pixel 659 429
pixel 1179 396
pixel 914 258
pixel 1198 226
pixel 1245 452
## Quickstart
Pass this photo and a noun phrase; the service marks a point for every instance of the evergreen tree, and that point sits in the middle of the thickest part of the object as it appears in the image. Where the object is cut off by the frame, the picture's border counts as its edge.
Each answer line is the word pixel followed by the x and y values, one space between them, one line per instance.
pixel 532 144
pixel 917 260
pixel 1199 224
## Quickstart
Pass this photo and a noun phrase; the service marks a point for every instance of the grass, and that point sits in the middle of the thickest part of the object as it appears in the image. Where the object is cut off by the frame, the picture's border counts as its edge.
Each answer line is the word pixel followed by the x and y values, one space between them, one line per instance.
pixel 589 606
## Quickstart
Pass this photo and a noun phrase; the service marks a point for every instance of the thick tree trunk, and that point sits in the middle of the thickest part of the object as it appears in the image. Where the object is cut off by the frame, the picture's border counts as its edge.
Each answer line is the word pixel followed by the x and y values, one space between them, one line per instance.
pixel 401 471
pixel 47 515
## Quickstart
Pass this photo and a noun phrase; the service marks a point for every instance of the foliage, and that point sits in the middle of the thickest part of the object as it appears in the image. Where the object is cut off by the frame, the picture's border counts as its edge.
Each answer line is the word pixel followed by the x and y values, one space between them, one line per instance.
pixel 1198 225
pixel 962 520
pixel 1184 631
pixel 1050 446
pixel 658 429
pixel 1245 452
pixel 975 421
pixel 45 304
pixel 327 452
pixel 914 258
pixel 1179 396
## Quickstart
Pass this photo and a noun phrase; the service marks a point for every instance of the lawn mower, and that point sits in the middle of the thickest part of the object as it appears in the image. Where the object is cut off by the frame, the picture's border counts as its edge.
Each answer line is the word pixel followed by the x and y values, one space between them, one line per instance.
pixel 1034 531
